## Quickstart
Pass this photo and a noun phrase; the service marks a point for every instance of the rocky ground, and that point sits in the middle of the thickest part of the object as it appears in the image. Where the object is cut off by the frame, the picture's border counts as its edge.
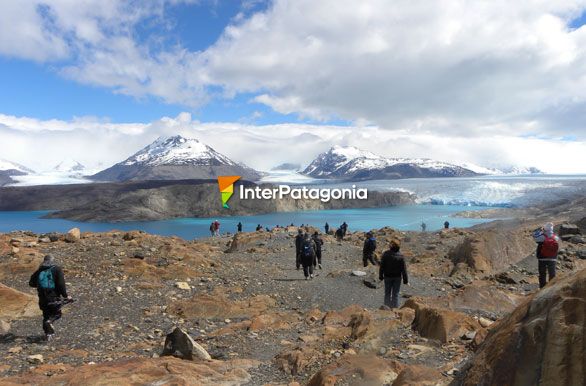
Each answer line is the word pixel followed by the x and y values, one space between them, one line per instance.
pixel 245 303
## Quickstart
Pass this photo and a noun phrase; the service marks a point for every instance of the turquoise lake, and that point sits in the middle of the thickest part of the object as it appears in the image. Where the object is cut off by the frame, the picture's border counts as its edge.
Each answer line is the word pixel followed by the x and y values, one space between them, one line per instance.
pixel 407 217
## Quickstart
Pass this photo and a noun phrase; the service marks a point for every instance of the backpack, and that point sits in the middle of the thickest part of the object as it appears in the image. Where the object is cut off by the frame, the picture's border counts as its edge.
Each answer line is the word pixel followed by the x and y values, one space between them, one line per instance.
pixel 549 247
pixel 307 249
pixel 46 280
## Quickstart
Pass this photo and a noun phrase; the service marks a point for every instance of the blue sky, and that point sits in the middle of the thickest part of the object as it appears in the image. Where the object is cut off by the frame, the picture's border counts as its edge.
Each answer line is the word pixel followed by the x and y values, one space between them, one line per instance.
pixel 486 80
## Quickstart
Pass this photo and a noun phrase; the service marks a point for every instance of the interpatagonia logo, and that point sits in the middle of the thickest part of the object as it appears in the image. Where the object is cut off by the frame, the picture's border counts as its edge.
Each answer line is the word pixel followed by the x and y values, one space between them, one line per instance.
pixel 226 184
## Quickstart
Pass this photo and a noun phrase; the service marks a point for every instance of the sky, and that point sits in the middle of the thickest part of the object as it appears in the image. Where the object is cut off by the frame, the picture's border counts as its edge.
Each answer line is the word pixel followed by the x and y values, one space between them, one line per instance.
pixel 495 83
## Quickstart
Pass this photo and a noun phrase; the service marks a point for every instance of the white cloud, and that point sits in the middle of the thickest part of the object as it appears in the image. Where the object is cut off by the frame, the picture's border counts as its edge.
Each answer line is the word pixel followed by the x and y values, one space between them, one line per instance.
pixel 43 144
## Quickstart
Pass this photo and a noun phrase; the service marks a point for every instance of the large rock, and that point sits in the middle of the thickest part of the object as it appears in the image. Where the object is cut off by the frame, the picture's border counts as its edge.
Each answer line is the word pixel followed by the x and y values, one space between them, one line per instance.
pixel 15 304
pixel 367 370
pixel 441 324
pixel 568 230
pixel 141 371
pixel 541 343
pixel 73 235
pixel 419 376
pixel 179 344
pixel 218 306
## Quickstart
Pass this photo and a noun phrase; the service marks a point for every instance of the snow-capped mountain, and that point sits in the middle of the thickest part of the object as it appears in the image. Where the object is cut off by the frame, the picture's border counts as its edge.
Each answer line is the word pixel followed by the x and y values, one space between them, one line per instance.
pixel 10 169
pixel 175 158
pixel 351 163
pixel 69 166
pixel 502 170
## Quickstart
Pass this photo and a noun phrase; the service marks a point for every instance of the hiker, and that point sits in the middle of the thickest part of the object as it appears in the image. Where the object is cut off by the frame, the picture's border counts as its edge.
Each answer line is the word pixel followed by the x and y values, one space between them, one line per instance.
pixel 239 226
pixel 216 228
pixel 344 227
pixel 212 230
pixel 259 228
pixel 392 270
pixel 547 252
pixel 327 228
pixel 447 225
pixel 423 227
pixel 368 250
pixel 298 244
pixel 307 256
pixel 339 234
pixel 318 244
pixel 50 284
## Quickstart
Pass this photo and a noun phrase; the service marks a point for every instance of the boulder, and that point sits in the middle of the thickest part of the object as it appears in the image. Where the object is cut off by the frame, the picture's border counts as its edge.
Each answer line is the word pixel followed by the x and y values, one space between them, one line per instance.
pixel 568 230
pixel 441 324
pixel 540 343
pixel 367 370
pixel 73 235
pixel 179 344
pixel 415 375
pixel 15 304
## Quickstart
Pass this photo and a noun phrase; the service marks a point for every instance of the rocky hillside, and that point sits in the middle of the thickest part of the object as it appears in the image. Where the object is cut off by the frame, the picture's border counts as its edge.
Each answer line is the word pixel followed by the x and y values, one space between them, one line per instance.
pixel 175 158
pixel 350 163
pixel 247 316
pixel 156 200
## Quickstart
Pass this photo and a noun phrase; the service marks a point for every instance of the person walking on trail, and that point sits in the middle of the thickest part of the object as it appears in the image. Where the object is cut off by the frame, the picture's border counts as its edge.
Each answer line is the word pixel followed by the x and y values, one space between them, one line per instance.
pixel 446 225
pixel 339 234
pixel 547 252
pixel 344 227
pixel 307 256
pixel 318 244
pixel 212 229
pixel 392 270
pixel 216 225
pixel 49 281
pixel 423 227
pixel 298 245
pixel 239 226
pixel 259 228
pixel 327 228
pixel 368 250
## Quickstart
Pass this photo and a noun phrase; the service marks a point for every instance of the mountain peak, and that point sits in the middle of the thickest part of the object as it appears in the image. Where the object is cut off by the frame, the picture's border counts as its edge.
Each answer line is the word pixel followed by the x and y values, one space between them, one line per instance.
pixel 177 150
pixel 69 166
pixel 6 165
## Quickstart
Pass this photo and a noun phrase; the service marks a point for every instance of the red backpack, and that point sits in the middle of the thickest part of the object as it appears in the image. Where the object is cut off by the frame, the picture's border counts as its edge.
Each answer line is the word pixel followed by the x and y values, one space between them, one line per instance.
pixel 549 247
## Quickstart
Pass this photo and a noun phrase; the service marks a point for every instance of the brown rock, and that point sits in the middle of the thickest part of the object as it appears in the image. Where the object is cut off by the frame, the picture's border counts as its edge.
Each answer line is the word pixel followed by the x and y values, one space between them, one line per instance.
pixel 419 376
pixel 441 324
pixel 73 235
pixel 15 304
pixel 179 344
pixel 294 361
pixel 143 371
pixel 218 306
pixel 367 370
pixel 541 342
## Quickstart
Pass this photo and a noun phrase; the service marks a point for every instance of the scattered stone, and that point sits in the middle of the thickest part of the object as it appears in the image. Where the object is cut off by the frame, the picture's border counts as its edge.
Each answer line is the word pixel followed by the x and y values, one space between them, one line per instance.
pixel 179 344
pixel 15 350
pixel 485 322
pixel 4 326
pixel 118 289
pixel 183 285
pixel 139 255
pixel 36 359
pixel 358 273
pixel 469 335
pixel 578 239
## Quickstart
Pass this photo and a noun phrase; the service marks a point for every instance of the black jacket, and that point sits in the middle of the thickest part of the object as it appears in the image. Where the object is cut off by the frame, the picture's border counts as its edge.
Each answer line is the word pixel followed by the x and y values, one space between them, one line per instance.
pixel 307 260
pixel 49 295
pixel 318 242
pixel 393 265
pixel 298 243
pixel 369 246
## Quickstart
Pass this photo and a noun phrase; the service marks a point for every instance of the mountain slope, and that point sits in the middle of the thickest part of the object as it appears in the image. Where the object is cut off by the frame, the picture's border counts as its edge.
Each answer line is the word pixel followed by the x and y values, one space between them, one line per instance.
pixel 175 158
pixel 351 163
pixel 69 166
pixel 9 169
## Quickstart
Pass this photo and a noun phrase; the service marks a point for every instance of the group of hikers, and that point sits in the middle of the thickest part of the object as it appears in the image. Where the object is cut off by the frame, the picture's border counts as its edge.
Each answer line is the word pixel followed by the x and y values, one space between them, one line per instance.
pixel 49 280
pixel 215 228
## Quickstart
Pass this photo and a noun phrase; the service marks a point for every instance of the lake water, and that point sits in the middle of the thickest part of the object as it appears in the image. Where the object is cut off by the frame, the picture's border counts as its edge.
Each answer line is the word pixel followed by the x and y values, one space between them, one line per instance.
pixel 400 217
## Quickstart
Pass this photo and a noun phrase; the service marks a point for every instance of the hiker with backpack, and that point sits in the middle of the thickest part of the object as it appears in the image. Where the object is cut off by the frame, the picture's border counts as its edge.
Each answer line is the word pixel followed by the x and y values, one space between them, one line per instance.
pixel 392 269
pixel 344 228
pixel 327 228
pixel 49 281
pixel 547 252
pixel 368 250
pixel 239 227
pixel 217 228
pixel 298 245
pixel 212 229
pixel 307 256
pixel 318 244
pixel 339 234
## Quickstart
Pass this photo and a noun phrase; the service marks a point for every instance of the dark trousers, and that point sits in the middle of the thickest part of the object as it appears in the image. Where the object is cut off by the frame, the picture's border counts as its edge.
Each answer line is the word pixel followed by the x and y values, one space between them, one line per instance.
pixel 368 257
pixel 546 268
pixel 50 314
pixel 317 259
pixel 307 269
pixel 297 260
pixel 392 289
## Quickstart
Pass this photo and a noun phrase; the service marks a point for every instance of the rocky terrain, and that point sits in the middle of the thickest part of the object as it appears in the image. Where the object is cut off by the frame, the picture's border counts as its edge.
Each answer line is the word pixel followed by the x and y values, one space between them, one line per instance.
pixel 157 200
pixel 473 297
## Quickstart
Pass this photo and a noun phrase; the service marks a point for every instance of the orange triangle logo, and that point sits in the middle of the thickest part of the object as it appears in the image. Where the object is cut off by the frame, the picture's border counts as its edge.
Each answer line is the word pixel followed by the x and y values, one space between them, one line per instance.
pixel 224 182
